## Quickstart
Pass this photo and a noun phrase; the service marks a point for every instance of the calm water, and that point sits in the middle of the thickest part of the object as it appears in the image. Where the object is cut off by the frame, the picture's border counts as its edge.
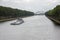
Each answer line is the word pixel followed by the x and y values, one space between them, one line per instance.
pixel 34 28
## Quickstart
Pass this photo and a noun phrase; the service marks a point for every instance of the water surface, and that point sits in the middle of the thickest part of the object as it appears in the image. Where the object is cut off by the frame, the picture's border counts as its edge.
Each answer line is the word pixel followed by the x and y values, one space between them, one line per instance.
pixel 34 28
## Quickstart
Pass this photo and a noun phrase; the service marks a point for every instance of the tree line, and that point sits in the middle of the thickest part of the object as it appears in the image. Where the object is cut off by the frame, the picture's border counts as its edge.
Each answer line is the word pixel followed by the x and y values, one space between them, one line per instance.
pixel 54 12
pixel 7 12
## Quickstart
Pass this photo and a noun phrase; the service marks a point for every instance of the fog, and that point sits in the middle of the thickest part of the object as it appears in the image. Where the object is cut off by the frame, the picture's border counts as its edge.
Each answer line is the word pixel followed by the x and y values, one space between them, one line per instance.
pixel 31 5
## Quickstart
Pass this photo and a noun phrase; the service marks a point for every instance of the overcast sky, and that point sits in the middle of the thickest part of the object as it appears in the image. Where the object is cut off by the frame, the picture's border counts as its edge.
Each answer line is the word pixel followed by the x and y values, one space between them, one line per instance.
pixel 30 5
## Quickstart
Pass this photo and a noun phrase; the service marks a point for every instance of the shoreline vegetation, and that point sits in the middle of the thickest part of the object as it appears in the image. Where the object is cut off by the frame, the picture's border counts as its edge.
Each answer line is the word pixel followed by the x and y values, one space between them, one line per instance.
pixel 7 13
pixel 54 14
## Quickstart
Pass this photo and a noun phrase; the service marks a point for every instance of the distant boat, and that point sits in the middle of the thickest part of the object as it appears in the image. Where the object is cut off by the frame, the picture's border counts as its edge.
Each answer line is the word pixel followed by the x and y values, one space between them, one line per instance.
pixel 19 21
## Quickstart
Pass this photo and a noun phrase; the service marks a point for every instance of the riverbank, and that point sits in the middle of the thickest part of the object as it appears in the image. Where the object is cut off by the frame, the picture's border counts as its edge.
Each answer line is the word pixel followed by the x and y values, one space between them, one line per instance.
pixel 53 19
pixel 3 20
pixel 8 19
pixel 54 14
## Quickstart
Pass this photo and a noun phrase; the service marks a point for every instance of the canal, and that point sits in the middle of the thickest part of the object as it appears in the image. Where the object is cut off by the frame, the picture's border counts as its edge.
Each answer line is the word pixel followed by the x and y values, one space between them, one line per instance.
pixel 34 28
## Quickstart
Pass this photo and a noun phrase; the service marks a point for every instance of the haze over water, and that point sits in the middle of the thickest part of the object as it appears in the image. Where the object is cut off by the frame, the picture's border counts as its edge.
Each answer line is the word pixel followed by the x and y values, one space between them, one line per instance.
pixel 31 5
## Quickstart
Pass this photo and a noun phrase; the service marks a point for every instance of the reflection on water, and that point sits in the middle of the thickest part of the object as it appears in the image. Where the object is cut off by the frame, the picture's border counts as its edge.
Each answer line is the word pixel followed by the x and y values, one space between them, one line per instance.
pixel 33 28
